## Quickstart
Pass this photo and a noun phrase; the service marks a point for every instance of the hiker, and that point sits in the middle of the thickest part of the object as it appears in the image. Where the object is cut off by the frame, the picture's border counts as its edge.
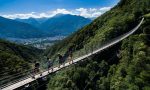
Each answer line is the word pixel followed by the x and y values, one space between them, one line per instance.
pixel 70 58
pixel 60 59
pixel 70 50
pixel 49 64
pixel 65 57
pixel 36 69
pixel 33 71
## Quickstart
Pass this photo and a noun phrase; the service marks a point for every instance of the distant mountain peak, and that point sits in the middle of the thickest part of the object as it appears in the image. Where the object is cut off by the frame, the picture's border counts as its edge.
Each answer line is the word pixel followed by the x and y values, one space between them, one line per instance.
pixel 58 24
pixel 60 14
pixel 31 18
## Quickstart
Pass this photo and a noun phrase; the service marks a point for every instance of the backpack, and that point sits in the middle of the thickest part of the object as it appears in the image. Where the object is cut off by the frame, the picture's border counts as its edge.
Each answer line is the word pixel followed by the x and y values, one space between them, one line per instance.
pixel 37 65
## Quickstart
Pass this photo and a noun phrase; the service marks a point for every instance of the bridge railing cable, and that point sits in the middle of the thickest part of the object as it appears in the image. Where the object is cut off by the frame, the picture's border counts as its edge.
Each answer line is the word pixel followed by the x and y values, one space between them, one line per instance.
pixel 15 79
pixel 15 74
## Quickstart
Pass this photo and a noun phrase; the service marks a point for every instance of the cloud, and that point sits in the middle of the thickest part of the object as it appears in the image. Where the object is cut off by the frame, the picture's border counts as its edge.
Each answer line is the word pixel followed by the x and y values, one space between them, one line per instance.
pixel 92 12
pixel 93 9
pixel 63 11
pixel 105 8
pixel 24 15
pixel 85 12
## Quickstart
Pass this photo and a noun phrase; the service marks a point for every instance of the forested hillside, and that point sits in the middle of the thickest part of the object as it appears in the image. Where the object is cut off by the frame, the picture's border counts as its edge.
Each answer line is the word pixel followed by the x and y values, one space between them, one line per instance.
pixel 125 66
pixel 16 58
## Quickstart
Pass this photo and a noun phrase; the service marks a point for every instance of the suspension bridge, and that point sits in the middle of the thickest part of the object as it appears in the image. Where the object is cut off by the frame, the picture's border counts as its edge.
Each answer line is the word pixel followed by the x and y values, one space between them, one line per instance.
pixel 28 79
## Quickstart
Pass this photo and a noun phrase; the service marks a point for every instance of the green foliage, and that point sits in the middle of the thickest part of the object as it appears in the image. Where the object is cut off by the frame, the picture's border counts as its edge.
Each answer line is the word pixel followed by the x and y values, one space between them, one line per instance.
pixel 131 72
pixel 128 72
pixel 147 15
pixel 77 77
pixel 16 58
pixel 133 65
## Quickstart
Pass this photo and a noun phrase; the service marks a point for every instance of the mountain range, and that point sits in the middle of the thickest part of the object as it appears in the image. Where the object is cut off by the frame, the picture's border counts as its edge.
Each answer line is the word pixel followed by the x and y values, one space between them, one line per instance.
pixel 15 29
pixel 64 24
pixel 60 24
pixel 36 22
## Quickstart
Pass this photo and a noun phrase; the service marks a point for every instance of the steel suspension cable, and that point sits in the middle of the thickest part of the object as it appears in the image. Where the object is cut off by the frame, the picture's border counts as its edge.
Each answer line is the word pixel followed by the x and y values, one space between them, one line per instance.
pixel 16 74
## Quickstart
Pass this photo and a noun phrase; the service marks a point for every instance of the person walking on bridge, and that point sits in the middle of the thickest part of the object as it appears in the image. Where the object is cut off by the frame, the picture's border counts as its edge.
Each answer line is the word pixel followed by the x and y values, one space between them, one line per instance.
pixel 36 69
pixel 70 59
pixel 60 59
pixel 70 51
pixel 49 64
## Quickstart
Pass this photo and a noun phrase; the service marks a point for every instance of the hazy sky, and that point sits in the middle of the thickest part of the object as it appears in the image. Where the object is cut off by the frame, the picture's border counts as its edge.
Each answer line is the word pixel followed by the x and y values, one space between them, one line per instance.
pixel 48 8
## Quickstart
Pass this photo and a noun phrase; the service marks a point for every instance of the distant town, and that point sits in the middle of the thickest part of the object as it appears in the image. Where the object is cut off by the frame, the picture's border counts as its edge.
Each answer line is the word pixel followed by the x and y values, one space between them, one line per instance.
pixel 41 43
